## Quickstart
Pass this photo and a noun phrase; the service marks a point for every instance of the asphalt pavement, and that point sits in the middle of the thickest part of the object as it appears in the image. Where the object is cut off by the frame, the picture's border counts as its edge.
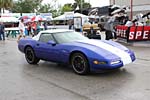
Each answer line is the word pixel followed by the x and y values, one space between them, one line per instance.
pixel 50 81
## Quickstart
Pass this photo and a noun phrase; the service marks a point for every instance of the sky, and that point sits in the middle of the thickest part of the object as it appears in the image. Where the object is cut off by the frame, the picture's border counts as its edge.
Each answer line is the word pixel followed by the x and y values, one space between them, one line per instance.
pixel 94 3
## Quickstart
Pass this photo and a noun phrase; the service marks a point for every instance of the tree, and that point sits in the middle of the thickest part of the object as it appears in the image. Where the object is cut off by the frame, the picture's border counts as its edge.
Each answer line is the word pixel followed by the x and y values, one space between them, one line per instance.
pixel 56 12
pixel 67 8
pixel 82 4
pixel 5 4
pixel 45 8
pixel 78 3
pixel 51 7
pixel 26 6
pixel 86 5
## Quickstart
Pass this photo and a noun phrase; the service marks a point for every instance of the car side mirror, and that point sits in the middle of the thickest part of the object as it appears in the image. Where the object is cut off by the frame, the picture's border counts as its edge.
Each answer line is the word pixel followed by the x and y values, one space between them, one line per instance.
pixel 51 42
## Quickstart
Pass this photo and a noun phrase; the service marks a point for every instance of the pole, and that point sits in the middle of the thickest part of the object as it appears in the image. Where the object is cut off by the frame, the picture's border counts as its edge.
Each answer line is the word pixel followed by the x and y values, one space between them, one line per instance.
pixel 114 2
pixel 131 15
pixel 81 6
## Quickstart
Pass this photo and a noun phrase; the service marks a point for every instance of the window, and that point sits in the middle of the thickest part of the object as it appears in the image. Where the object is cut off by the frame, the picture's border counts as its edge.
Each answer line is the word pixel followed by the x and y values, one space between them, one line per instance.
pixel 45 37
pixel 65 37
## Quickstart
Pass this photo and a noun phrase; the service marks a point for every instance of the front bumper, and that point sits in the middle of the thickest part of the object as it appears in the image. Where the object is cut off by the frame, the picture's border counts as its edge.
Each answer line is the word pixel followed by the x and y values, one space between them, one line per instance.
pixel 109 66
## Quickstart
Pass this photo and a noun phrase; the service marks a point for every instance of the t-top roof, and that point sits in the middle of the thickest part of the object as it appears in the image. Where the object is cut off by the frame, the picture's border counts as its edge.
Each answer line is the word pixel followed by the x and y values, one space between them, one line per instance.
pixel 51 32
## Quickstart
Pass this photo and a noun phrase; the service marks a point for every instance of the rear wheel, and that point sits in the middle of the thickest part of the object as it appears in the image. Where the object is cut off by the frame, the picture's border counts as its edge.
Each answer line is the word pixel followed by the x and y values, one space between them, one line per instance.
pixel 80 64
pixel 30 56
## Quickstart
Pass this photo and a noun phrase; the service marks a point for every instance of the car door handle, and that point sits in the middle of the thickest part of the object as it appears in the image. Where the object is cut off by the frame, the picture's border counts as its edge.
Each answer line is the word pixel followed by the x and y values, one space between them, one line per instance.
pixel 37 44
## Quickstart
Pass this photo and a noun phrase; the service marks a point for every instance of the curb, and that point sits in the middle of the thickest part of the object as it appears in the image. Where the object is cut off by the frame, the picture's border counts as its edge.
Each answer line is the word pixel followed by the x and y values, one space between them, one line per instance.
pixel 136 44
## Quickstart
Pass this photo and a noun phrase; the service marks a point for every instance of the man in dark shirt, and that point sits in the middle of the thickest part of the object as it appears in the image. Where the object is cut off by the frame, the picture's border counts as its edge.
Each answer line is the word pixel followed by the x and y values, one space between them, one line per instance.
pixel 2 31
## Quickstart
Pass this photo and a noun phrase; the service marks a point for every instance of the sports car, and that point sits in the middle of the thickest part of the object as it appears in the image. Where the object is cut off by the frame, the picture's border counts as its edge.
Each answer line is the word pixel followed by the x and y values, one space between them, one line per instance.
pixel 76 50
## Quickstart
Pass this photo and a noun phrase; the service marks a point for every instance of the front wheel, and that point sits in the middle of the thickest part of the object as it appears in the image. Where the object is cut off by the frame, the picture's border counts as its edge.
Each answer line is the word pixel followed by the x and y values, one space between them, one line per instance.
pixel 80 64
pixel 30 56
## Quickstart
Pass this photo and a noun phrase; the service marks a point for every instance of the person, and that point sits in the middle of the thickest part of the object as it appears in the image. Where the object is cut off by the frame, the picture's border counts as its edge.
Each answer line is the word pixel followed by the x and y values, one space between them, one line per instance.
pixel 28 28
pixel 45 26
pixel 38 29
pixel 148 21
pixel 2 31
pixel 70 24
pixel 109 27
pixel 21 29
pixel 34 27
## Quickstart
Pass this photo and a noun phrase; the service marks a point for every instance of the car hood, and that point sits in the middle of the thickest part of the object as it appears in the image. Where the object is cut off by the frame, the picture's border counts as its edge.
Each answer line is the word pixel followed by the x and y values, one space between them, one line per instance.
pixel 105 44
pixel 109 48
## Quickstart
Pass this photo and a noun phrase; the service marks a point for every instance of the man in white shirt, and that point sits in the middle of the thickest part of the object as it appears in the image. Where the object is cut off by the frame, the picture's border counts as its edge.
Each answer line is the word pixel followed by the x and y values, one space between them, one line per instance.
pixel 21 29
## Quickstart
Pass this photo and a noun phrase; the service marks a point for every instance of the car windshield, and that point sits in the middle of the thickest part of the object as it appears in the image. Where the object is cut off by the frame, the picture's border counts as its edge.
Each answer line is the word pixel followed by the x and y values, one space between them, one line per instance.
pixel 66 37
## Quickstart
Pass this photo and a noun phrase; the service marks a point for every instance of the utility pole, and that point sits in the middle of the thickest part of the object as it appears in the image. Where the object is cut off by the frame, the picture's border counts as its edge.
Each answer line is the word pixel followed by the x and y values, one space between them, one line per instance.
pixel 114 2
pixel 131 7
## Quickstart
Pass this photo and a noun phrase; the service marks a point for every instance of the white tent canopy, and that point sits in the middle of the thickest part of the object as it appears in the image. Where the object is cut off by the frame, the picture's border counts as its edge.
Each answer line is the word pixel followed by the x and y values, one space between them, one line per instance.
pixel 80 15
pixel 9 19
pixel 63 17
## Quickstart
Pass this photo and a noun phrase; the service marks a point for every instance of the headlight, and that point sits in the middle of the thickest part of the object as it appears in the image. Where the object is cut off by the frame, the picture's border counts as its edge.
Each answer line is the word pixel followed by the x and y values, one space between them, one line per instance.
pixel 99 62
pixel 115 62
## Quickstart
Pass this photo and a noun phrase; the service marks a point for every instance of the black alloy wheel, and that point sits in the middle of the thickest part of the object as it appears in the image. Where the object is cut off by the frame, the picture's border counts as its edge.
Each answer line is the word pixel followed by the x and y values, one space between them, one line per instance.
pixel 80 64
pixel 30 56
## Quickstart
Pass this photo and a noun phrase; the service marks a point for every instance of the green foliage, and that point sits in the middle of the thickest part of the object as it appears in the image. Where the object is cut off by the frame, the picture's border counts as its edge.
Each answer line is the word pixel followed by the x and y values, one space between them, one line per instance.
pixel 67 8
pixel 82 4
pixel 78 3
pixel 45 8
pixel 36 6
pixel 86 5
pixel 6 4
pixel 26 6
pixel 32 6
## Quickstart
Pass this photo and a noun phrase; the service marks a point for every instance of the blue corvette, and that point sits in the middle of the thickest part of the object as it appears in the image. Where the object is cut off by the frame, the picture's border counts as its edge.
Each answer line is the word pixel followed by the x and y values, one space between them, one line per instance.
pixel 83 54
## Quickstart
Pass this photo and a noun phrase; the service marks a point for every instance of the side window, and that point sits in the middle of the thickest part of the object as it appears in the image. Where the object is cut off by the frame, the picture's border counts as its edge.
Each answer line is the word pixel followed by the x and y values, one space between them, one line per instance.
pixel 45 37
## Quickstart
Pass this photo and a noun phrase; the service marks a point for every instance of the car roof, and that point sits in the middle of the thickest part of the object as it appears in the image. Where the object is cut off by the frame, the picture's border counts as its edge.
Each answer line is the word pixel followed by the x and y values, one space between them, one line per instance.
pixel 51 32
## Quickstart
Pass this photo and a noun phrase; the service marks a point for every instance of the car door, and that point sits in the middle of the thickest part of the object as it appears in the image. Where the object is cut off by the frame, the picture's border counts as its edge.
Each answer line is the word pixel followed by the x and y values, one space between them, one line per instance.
pixel 45 50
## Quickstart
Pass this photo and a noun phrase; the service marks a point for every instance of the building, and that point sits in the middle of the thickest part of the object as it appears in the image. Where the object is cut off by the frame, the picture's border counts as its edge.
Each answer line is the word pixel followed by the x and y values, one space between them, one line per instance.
pixel 135 6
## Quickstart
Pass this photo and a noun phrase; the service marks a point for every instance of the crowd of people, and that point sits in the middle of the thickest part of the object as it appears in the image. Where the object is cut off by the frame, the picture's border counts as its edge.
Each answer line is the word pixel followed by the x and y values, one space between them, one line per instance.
pixel 25 29
pixel 30 28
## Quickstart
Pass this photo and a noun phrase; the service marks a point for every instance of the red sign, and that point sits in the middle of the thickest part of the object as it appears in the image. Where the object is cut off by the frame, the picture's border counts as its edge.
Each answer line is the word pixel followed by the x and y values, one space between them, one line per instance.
pixel 139 33
pixel 121 31
pixel 136 33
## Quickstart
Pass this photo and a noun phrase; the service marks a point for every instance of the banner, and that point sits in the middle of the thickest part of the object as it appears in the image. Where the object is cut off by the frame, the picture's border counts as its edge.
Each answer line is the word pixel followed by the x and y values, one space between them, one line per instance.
pixel 48 16
pixel 122 31
pixel 28 14
pixel 134 33
pixel 139 33
pixel 17 15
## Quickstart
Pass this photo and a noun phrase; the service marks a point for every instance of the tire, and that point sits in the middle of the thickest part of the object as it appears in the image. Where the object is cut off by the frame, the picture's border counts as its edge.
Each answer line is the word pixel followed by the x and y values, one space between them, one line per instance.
pixel 30 56
pixel 80 64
